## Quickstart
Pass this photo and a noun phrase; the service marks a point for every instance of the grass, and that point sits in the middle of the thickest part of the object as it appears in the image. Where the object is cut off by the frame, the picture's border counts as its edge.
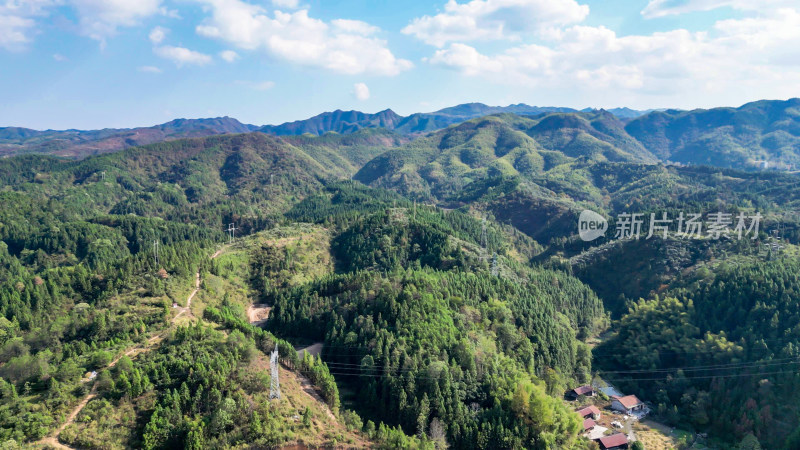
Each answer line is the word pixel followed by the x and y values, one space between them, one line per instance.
pixel 102 425
pixel 324 430
pixel 657 436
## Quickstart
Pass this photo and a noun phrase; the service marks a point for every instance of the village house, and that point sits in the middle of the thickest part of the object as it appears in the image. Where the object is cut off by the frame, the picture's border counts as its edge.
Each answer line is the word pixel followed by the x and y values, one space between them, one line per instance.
pixel 613 442
pixel 628 404
pixel 586 390
pixel 591 412
pixel 588 424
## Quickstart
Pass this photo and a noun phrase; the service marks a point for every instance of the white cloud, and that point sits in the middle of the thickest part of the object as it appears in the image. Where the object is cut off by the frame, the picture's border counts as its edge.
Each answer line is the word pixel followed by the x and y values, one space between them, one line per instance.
pixel 361 91
pixel 149 69
pixel 354 26
pixel 494 19
pixel 301 39
pixel 229 55
pixel 258 85
pixel 182 56
pixel 289 4
pixel 99 19
pixel 157 35
pixel 758 55
pixel 661 8
pixel 18 21
pixel 59 57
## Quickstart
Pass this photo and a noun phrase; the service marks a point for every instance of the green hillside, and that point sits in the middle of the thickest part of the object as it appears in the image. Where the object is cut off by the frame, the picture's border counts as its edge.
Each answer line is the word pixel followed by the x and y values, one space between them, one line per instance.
pixel 444 288
pixel 764 131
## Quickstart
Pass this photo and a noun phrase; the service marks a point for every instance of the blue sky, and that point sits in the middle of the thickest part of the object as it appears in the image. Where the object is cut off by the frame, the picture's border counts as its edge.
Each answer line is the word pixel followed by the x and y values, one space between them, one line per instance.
pixel 123 63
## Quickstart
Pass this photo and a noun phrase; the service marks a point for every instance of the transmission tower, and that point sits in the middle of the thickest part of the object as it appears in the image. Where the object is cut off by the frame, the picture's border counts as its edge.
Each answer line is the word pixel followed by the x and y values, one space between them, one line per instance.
pixel 484 239
pixel 274 385
pixel 232 232
pixel 494 264
pixel 155 251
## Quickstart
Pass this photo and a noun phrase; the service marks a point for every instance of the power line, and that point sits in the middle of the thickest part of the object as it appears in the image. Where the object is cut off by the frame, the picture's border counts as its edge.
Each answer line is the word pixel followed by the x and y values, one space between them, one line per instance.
pixel 660 352
pixel 733 366
pixel 614 380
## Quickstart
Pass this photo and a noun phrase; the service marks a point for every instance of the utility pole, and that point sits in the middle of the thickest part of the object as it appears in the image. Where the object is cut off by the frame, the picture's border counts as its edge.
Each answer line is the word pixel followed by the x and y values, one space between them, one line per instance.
pixel 274 384
pixel 495 270
pixel 155 251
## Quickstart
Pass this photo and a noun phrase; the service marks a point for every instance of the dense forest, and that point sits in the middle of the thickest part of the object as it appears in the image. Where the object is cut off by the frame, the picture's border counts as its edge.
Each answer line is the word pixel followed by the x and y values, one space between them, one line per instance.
pixel 444 285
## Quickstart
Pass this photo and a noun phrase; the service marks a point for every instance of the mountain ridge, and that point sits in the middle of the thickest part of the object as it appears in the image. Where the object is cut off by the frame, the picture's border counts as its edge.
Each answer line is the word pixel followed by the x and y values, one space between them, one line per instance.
pixel 758 135
pixel 76 143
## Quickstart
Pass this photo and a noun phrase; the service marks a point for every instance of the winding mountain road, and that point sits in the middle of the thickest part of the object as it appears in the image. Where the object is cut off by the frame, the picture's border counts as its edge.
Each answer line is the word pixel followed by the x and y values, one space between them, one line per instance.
pixel 52 439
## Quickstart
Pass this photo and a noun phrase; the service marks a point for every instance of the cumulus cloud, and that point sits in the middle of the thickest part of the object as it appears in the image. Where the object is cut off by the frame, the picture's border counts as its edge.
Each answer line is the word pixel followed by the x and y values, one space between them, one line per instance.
pixel 361 91
pixel 344 46
pixel 494 19
pixel 229 55
pixel 157 35
pixel 18 21
pixel 662 8
pixel 100 19
pixel 736 54
pixel 354 26
pixel 182 56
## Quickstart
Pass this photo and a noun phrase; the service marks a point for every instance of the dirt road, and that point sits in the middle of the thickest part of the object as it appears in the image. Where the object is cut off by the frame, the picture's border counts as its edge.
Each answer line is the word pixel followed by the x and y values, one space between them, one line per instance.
pixel 52 439
pixel 258 314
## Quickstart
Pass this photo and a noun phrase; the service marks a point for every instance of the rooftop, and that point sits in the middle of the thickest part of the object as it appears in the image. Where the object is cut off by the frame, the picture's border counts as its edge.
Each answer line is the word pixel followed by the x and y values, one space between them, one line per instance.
pixel 615 440
pixel 588 410
pixel 583 390
pixel 629 401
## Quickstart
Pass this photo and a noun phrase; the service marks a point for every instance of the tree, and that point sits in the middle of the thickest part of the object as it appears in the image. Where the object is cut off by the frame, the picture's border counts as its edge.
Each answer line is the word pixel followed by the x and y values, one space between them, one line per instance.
pixel 749 442
pixel 437 433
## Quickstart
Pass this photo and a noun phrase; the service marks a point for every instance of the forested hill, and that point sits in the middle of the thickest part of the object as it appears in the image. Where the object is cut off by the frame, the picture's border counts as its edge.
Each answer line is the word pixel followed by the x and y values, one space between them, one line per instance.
pixel 444 286
pixel 763 133
pixel 80 143
pixel 538 174
pixel 100 256
pixel 755 136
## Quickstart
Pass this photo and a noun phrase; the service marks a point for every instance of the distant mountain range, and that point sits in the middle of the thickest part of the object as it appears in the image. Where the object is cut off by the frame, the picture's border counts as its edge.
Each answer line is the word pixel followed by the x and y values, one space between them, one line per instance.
pixel 418 123
pixel 763 134
pixel 82 143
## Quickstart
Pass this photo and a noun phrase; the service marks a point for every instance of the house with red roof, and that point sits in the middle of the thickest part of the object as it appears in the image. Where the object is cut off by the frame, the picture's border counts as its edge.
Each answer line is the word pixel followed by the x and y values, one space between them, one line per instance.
pixel 588 424
pixel 586 390
pixel 590 411
pixel 613 442
pixel 629 404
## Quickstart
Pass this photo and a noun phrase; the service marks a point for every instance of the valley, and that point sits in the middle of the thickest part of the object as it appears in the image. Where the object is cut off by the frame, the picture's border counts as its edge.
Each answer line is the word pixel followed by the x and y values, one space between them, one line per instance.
pixel 437 282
